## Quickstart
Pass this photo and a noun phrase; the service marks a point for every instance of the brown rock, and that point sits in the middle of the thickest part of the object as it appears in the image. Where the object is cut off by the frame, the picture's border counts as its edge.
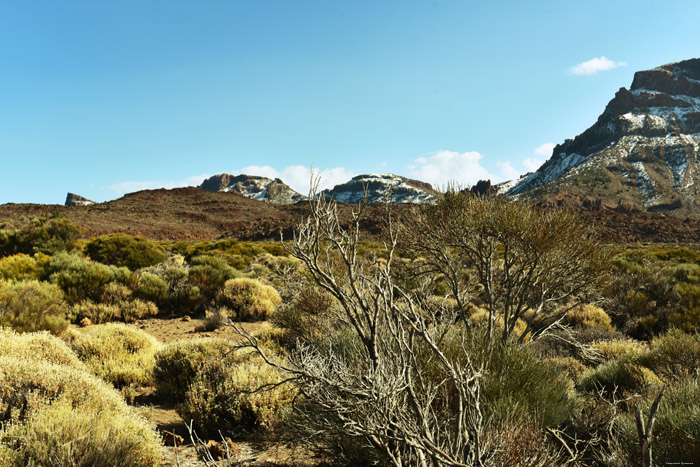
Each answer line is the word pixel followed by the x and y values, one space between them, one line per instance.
pixel 85 322
pixel 171 439
pixel 186 318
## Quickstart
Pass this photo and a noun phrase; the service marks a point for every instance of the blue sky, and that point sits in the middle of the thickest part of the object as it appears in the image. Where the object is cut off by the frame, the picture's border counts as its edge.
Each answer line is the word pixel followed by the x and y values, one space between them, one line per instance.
pixel 102 98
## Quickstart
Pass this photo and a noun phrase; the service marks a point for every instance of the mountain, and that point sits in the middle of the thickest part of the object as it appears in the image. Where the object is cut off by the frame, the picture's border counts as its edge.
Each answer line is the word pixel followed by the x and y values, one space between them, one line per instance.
pixel 76 200
pixel 643 151
pixel 403 190
pixel 251 186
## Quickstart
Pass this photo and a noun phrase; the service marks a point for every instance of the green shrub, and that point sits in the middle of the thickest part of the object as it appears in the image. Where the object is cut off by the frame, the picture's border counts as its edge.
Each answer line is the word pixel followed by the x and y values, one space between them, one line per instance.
pixel 675 354
pixel 178 363
pixel 97 313
pixel 117 353
pixel 82 279
pixel 32 306
pixel 225 396
pixel 616 349
pixel 152 288
pixel 124 250
pixel 249 299
pixel 620 374
pixel 210 273
pixel 512 388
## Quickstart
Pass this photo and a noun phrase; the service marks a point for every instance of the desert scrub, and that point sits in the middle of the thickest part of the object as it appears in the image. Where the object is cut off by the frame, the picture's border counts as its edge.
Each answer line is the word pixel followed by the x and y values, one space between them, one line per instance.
pixel 38 346
pixel 619 375
pixel 616 349
pixel 56 413
pixel 675 354
pixel 677 427
pixel 61 434
pixel 589 316
pixel 249 299
pixel 19 267
pixel 32 306
pixel 177 364
pixel 82 279
pixel 117 353
pixel 125 250
pixel 480 318
pixel 239 395
pixel 210 274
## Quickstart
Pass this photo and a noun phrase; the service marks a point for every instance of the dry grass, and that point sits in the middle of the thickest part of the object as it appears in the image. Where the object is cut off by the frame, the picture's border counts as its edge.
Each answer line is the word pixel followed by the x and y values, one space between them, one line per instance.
pixel 589 316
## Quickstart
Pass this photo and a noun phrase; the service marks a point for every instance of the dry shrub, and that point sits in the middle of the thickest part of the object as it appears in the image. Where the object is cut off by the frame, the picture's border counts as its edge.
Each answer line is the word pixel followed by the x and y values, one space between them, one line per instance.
pixel 97 313
pixel 215 319
pixel 137 309
pixel 522 443
pixel 32 306
pixel 230 395
pixel 178 363
pixel 37 346
pixel 249 299
pixel 620 349
pixel 59 414
pixel 118 353
pixel 589 316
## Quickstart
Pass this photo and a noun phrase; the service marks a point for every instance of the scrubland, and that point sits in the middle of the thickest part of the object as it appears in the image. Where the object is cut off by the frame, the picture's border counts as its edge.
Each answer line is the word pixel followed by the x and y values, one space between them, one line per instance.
pixel 505 336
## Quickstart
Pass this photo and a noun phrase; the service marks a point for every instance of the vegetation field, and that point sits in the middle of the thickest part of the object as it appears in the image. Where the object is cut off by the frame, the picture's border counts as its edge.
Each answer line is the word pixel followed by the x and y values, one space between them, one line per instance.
pixel 424 343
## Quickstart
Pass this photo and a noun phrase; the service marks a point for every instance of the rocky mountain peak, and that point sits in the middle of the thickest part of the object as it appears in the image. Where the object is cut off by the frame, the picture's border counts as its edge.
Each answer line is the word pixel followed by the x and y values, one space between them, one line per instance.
pixel 378 186
pixel 642 151
pixel 255 187
pixel 76 200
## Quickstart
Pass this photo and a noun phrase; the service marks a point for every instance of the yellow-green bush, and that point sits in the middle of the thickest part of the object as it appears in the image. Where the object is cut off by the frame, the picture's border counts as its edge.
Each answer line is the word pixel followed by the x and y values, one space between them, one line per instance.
pixel 32 306
pixel 56 413
pixel 177 364
pixel 249 299
pixel 589 316
pixel 61 434
pixel 225 396
pixel 675 354
pixel 480 317
pixel 19 267
pixel 117 353
pixel 82 279
pixel 573 367
pixel 613 349
pixel 37 346
pixel 621 374
pixel 124 250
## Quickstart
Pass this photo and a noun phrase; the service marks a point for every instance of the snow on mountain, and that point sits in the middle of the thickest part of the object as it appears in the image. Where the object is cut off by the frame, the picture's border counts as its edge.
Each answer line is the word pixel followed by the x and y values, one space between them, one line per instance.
pixel 379 186
pixel 644 149
pixel 251 186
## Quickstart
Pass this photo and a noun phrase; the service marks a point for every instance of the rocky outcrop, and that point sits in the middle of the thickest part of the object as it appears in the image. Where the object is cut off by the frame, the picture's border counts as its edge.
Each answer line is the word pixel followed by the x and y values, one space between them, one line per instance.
pixel 380 186
pixel 76 200
pixel 643 151
pixel 251 186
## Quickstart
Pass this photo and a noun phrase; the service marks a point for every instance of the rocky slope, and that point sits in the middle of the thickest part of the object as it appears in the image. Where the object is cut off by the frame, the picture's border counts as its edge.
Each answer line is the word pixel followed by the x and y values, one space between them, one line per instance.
pixel 251 186
pixel 76 200
pixel 642 152
pixel 403 190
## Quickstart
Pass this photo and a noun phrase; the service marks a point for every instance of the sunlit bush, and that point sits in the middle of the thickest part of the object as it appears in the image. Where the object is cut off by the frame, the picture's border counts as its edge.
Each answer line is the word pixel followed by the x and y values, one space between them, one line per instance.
pixel 589 316
pixel 249 299
pixel 32 306
pixel 117 353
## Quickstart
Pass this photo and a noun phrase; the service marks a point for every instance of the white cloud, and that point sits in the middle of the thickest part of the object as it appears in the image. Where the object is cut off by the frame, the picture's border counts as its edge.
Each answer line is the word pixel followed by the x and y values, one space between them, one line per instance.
pixel 532 164
pixel 450 166
pixel 545 149
pixel 595 65
pixel 508 172
pixel 138 185
pixel 299 177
